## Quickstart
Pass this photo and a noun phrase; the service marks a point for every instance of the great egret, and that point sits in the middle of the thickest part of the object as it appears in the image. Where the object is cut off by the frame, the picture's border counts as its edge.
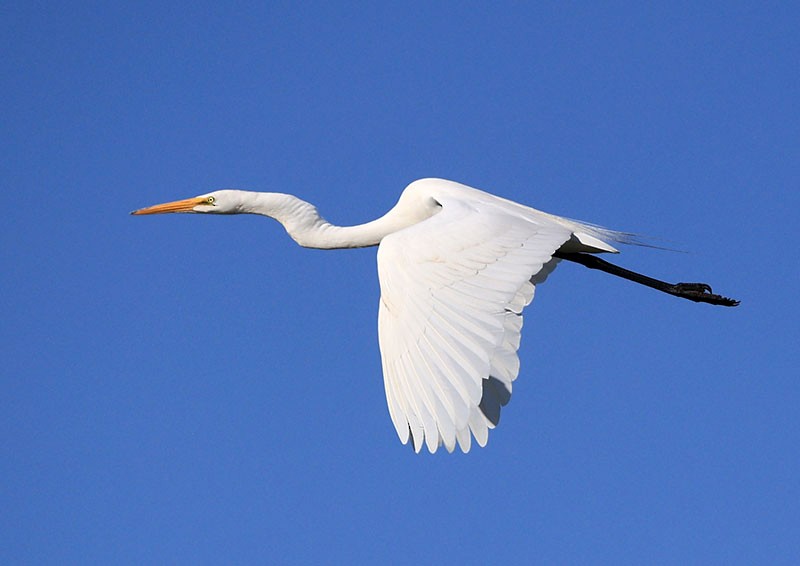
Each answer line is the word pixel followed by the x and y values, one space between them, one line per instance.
pixel 456 267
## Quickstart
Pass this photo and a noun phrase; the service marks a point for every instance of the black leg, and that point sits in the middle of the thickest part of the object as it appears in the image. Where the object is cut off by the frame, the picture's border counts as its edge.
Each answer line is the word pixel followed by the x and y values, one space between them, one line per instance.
pixel 698 292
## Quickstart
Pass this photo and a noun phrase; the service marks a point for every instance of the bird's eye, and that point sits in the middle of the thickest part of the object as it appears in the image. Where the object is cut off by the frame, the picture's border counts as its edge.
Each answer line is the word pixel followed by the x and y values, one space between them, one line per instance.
pixel 210 200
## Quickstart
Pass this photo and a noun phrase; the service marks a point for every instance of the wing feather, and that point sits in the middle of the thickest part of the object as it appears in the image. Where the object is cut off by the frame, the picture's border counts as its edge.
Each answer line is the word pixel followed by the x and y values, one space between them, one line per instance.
pixel 453 288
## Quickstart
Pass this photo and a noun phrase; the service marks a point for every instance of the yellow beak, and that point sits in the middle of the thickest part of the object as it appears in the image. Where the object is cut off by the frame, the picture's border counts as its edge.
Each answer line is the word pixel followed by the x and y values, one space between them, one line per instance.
pixel 186 205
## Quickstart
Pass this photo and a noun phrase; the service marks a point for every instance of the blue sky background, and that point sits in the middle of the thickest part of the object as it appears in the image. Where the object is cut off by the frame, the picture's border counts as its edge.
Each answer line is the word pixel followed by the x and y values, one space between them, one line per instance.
pixel 200 389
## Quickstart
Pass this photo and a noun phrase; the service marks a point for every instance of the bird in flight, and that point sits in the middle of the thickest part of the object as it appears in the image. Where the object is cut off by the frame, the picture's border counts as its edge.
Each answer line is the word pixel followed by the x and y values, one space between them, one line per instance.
pixel 457 266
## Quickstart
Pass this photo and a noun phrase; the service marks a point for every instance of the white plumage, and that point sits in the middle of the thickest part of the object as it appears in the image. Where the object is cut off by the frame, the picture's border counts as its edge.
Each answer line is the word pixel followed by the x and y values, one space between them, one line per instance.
pixel 453 288
pixel 457 266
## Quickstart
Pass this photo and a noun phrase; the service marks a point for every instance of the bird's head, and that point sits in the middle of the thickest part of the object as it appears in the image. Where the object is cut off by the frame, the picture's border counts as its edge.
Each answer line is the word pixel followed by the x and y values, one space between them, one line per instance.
pixel 218 202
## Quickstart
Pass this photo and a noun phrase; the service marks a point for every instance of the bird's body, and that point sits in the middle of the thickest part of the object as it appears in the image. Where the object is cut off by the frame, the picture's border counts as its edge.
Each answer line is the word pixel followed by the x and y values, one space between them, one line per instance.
pixel 456 266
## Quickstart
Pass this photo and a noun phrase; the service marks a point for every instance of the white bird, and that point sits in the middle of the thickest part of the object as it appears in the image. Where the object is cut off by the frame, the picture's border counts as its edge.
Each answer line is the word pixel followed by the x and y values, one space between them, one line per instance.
pixel 457 266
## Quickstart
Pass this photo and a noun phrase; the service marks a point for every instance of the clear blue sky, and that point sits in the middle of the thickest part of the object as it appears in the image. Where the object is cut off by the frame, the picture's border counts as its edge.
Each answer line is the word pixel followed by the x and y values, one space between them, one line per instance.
pixel 184 389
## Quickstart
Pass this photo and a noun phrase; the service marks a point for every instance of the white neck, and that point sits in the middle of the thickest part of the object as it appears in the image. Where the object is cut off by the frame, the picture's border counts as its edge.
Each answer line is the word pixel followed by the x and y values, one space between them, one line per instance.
pixel 306 227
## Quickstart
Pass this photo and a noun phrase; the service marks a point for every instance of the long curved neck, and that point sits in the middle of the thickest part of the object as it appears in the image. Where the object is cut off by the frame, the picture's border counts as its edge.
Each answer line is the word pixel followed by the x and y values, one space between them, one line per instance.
pixel 306 227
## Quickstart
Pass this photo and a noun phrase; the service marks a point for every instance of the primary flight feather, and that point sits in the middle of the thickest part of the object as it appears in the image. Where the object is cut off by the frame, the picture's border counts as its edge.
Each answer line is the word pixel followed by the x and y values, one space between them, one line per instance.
pixel 456 266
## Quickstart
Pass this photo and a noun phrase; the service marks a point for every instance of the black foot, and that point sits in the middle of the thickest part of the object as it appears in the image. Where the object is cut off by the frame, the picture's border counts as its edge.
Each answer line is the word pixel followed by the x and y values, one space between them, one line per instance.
pixel 700 293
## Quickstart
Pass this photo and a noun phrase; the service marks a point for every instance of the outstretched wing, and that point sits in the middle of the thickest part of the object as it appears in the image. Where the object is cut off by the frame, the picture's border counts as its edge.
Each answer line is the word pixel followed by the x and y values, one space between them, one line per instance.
pixel 452 292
